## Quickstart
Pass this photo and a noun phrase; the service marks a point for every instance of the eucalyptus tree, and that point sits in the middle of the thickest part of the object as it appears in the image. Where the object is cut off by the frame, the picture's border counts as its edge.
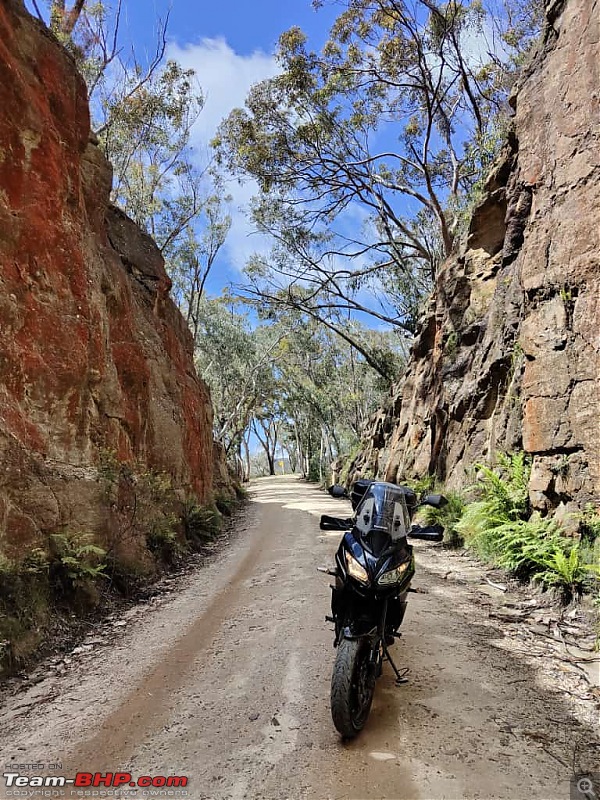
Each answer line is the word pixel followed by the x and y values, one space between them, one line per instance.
pixel 237 361
pixel 286 383
pixel 325 389
pixel 363 153
pixel 143 112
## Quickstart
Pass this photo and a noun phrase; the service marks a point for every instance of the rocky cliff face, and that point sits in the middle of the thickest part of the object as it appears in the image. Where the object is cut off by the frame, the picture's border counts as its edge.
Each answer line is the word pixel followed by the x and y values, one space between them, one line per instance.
pixel 508 355
pixel 94 355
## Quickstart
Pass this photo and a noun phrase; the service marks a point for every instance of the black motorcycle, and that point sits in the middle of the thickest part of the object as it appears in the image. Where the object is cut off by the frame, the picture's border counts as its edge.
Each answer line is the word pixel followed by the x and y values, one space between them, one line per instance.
pixel 374 566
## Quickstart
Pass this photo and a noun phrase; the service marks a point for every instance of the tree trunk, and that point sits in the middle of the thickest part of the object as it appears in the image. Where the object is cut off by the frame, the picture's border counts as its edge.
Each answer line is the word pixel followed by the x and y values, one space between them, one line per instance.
pixel 321 456
pixel 246 473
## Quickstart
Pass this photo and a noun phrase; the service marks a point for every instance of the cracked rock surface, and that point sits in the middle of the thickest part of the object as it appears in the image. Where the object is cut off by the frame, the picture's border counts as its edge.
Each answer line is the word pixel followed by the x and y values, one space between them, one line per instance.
pixel 508 356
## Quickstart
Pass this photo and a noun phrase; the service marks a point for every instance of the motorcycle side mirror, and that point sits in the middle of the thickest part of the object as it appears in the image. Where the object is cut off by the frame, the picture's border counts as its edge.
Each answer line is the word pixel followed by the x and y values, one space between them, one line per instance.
pixel 435 500
pixel 337 491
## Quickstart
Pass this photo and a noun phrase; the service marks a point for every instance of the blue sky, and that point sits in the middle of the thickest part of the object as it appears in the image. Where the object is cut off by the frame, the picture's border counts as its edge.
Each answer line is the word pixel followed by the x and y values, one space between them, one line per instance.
pixel 246 26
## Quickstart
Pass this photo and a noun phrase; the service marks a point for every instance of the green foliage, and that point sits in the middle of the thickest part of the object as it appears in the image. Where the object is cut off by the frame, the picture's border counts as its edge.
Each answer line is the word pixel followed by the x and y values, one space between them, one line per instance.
pixel 144 128
pixel 162 539
pixel 25 603
pixel 146 515
pixel 314 470
pixel 151 518
pixel 498 528
pixel 241 493
pixel 201 523
pixel 224 504
pixel 62 577
pixel 422 485
pixel 521 545
pixel 310 137
pixel 502 498
pixel 566 294
pixel 109 467
pixel 293 383
pixel 143 111
pixel 506 490
pixel 562 568
pixel 590 522
pixel 480 154
pixel 74 561
pixel 67 575
pixel 529 549
pixel 448 516
pixel 128 574
pixel 590 559
pixel 451 345
pixel 348 461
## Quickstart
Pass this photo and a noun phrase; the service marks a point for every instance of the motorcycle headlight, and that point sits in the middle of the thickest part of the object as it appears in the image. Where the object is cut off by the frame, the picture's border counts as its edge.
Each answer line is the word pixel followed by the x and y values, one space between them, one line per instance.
pixel 355 569
pixel 393 575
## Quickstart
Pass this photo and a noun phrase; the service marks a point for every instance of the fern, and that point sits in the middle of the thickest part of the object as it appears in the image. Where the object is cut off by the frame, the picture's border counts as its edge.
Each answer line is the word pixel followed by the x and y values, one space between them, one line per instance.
pixel 526 545
pixel 74 560
pixel 507 492
pixel 562 569
pixel 496 527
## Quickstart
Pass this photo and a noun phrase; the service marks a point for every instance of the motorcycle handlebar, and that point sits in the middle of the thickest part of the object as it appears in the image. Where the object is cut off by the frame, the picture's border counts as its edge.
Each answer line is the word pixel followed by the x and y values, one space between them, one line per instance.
pixel 429 533
pixel 335 523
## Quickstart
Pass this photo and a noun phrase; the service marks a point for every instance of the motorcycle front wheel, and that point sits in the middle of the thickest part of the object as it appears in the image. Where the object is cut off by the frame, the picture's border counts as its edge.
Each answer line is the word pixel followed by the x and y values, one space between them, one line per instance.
pixel 352 686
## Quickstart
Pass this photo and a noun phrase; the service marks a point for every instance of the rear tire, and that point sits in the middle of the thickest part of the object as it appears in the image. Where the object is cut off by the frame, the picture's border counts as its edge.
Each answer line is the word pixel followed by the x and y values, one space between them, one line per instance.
pixel 352 686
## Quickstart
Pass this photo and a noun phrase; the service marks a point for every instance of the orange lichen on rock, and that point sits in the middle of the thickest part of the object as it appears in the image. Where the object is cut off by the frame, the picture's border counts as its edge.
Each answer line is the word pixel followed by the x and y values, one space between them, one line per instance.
pixel 94 355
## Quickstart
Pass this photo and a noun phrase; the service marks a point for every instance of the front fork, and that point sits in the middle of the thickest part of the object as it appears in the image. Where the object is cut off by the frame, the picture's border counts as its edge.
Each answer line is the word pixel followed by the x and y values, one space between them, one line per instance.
pixel 400 675
pixel 378 644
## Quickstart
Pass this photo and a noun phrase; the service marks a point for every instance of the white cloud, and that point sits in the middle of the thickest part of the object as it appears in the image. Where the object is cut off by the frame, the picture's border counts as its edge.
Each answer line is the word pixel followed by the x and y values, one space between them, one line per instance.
pixel 243 240
pixel 226 77
pixel 479 43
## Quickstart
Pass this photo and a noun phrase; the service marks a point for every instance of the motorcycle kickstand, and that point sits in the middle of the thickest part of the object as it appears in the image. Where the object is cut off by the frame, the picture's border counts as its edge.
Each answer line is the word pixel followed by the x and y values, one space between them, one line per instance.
pixel 400 676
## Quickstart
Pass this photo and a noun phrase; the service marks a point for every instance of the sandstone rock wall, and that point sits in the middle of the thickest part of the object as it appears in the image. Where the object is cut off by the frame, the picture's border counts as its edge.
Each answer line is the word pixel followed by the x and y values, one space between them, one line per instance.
pixel 509 351
pixel 94 355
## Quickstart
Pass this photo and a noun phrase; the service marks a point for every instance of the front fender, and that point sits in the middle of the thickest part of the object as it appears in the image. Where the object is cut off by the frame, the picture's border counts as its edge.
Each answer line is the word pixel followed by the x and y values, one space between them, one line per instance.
pixel 356 631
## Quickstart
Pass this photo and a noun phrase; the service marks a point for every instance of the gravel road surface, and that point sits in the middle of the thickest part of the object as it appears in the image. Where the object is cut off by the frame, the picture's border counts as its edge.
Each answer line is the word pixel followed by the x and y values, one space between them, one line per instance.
pixel 226 681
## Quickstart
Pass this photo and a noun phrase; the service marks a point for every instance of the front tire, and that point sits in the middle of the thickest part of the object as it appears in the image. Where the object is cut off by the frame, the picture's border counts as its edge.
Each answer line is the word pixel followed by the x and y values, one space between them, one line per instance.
pixel 352 686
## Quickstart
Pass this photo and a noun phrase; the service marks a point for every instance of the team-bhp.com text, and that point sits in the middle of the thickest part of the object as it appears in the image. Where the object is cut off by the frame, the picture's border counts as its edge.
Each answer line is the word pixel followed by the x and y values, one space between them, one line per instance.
pixel 87 780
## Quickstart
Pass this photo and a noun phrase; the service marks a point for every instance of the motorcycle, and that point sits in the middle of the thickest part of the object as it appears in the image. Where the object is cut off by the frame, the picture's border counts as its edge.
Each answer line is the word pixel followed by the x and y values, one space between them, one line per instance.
pixel 374 566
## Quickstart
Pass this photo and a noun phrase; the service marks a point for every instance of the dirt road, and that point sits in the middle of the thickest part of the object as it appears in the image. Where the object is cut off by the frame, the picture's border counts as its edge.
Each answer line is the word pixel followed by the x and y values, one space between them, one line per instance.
pixel 227 682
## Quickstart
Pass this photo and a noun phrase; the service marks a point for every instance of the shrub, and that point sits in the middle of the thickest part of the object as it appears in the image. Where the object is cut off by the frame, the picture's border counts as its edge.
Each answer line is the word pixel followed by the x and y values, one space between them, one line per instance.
pixel 447 516
pixel 162 541
pixel 35 590
pixel 506 492
pixel 74 563
pixel 201 523
pixel 497 528
pixel 224 504
pixel 502 498
pixel 563 568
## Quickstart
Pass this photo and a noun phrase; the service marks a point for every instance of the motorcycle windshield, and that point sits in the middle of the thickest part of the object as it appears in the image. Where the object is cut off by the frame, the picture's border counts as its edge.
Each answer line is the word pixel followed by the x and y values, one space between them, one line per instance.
pixel 383 510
